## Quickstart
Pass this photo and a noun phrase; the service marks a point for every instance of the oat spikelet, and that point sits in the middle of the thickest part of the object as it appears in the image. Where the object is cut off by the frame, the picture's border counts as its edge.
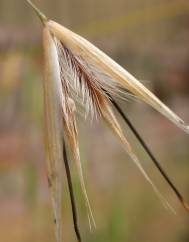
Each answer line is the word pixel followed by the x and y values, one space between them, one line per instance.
pixel 92 78
pixel 77 72
pixel 83 82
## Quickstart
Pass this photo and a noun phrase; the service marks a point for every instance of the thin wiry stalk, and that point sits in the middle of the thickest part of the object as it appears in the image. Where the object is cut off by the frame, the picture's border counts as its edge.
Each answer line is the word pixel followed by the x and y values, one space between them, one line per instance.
pixel 71 192
pixel 38 12
pixel 148 151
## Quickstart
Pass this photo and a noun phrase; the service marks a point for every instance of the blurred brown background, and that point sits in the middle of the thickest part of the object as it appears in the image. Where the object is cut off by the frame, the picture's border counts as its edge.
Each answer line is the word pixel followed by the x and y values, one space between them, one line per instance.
pixel 150 39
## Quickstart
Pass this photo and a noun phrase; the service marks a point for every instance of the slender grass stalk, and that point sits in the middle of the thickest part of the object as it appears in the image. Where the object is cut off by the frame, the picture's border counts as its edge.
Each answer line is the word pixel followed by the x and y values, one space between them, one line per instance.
pixel 42 17
pixel 79 74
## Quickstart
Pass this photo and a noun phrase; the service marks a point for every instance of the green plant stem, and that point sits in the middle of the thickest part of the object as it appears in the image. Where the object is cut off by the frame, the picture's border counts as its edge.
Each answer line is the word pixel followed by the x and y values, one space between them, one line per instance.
pixel 42 17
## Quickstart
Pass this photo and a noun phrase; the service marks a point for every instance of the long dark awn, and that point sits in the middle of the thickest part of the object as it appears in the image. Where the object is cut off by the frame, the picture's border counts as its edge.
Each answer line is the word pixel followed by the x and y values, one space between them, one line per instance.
pixel 148 151
pixel 71 192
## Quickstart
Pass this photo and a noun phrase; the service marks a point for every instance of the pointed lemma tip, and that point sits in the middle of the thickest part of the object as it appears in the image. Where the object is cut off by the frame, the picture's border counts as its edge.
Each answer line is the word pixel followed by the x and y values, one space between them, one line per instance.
pixel 42 17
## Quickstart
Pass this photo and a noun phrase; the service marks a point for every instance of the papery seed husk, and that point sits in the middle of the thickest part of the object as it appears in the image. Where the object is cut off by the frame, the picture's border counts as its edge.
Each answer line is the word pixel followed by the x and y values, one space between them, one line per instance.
pixel 54 127
pixel 95 57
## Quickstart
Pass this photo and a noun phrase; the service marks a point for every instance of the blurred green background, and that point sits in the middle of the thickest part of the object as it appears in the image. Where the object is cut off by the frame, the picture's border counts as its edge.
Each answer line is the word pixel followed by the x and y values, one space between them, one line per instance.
pixel 150 39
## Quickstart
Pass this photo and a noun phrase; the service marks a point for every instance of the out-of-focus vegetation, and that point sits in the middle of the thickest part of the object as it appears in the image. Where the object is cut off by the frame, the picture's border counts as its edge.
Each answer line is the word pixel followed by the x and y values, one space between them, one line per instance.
pixel 150 39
